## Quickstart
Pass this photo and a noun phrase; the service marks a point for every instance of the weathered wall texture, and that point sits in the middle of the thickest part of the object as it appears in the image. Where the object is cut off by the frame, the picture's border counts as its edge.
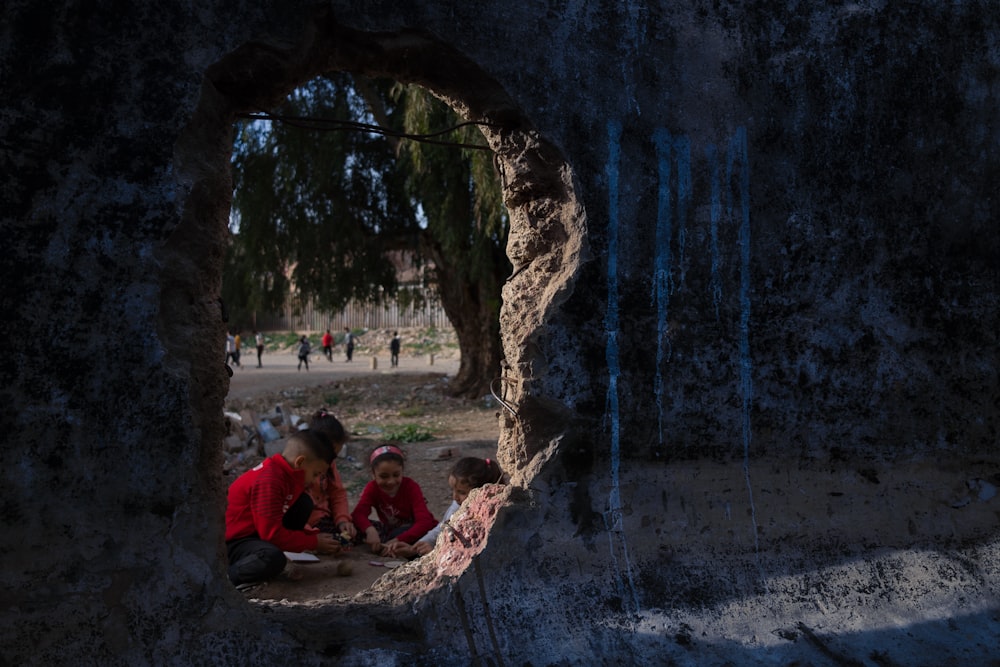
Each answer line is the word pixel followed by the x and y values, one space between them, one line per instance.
pixel 751 335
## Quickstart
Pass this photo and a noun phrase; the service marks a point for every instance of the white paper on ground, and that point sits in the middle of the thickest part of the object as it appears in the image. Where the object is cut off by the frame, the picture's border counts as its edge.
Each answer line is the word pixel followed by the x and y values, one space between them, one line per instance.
pixel 301 557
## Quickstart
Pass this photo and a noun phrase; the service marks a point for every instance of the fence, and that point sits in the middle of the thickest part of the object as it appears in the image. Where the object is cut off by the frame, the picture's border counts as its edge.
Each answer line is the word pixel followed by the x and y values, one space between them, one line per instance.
pixel 388 315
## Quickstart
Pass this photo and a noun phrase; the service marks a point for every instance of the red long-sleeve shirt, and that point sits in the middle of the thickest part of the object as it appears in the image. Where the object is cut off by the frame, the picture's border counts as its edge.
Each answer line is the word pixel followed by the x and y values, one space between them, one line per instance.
pixel 407 506
pixel 258 500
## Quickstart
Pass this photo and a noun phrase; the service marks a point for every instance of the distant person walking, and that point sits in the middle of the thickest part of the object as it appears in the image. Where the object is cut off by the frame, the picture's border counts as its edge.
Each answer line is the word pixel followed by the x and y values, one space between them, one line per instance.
pixel 304 349
pixel 327 344
pixel 259 339
pixel 348 342
pixel 231 349
pixel 236 342
pixel 394 350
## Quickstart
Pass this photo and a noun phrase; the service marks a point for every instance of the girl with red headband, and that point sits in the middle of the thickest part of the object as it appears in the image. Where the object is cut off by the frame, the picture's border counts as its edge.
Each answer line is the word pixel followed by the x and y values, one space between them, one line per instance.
pixel 403 517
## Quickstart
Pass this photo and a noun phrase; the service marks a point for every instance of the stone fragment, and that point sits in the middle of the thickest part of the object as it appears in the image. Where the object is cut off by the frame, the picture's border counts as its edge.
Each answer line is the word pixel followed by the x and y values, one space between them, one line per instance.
pixel 234 443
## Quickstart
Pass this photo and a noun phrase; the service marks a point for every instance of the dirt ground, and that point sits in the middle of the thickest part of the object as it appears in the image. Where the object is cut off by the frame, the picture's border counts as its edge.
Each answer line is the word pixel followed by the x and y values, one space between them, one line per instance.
pixel 408 406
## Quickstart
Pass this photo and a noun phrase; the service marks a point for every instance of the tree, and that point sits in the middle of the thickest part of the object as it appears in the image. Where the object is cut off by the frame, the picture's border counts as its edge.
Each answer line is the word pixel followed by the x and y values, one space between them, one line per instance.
pixel 466 234
pixel 329 205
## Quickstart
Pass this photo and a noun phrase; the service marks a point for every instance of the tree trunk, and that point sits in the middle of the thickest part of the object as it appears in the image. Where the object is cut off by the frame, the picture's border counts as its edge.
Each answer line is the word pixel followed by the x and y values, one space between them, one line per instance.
pixel 473 307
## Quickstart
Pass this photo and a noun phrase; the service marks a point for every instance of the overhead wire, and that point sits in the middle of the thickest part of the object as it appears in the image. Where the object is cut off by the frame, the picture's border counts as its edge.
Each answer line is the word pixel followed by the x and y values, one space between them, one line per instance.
pixel 337 125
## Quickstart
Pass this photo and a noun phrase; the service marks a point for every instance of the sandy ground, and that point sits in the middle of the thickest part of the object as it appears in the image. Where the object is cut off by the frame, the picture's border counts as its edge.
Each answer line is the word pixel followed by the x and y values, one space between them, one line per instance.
pixel 278 371
pixel 373 404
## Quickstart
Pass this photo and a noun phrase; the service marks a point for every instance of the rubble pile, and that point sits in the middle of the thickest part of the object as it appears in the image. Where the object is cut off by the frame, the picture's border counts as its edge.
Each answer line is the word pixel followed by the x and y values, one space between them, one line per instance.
pixel 442 342
pixel 372 409
pixel 252 436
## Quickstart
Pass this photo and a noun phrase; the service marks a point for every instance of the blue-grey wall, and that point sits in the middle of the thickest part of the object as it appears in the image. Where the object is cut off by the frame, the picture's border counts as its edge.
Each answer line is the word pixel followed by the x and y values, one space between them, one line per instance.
pixel 751 335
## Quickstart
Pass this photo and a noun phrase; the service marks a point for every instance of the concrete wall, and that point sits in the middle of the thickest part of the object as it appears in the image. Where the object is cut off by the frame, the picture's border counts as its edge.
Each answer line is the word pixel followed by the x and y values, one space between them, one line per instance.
pixel 751 334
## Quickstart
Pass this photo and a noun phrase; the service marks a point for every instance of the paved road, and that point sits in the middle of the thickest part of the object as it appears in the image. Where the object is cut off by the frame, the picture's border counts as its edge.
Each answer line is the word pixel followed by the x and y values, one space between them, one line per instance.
pixel 279 371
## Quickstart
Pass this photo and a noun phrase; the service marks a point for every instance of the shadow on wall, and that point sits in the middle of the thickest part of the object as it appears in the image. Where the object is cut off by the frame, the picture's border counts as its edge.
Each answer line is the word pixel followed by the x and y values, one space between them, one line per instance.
pixel 698 538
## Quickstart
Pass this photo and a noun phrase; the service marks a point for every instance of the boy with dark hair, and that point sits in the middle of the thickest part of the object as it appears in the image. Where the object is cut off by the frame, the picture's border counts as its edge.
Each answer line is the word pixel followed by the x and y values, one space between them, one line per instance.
pixel 267 510
pixel 348 343
pixel 394 350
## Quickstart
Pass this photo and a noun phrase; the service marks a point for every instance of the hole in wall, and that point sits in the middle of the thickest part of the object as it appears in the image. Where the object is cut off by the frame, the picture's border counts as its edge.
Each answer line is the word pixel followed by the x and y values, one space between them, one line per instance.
pixel 547 225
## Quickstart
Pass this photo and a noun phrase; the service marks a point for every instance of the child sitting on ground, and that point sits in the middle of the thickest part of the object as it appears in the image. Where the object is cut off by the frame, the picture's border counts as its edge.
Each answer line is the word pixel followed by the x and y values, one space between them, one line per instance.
pixel 330 513
pixel 262 522
pixel 398 501
pixel 468 473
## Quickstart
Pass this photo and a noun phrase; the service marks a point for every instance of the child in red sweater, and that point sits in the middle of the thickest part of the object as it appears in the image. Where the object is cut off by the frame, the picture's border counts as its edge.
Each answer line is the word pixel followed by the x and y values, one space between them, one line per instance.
pixel 398 501
pixel 267 510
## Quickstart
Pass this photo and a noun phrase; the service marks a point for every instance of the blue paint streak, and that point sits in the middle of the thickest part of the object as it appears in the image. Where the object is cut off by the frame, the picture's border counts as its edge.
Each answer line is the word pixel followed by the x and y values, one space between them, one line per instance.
pixel 613 518
pixel 670 150
pixel 715 283
pixel 682 146
pixel 738 152
pixel 633 31
pixel 611 318
pixel 730 159
pixel 661 278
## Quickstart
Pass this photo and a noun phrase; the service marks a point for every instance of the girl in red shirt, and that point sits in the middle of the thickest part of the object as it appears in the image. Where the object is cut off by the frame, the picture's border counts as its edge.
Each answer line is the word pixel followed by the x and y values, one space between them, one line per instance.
pixel 398 501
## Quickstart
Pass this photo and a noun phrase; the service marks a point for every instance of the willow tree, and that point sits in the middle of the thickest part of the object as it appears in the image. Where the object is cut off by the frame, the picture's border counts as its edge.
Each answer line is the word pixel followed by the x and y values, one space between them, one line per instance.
pixel 465 237
pixel 323 196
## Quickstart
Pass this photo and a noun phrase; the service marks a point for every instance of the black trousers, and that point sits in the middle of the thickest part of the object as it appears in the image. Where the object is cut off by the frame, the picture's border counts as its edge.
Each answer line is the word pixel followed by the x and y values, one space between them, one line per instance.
pixel 252 559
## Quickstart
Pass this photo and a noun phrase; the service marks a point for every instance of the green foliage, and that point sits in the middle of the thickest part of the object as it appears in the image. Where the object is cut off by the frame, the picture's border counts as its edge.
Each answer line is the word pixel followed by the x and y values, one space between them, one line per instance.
pixel 315 213
pixel 415 411
pixel 427 341
pixel 411 297
pixel 458 190
pixel 314 209
pixel 285 340
pixel 423 346
pixel 407 433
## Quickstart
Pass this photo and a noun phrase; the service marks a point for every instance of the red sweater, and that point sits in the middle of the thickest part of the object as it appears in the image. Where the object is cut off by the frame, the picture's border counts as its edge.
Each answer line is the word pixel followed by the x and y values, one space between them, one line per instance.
pixel 407 506
pixel 258 500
